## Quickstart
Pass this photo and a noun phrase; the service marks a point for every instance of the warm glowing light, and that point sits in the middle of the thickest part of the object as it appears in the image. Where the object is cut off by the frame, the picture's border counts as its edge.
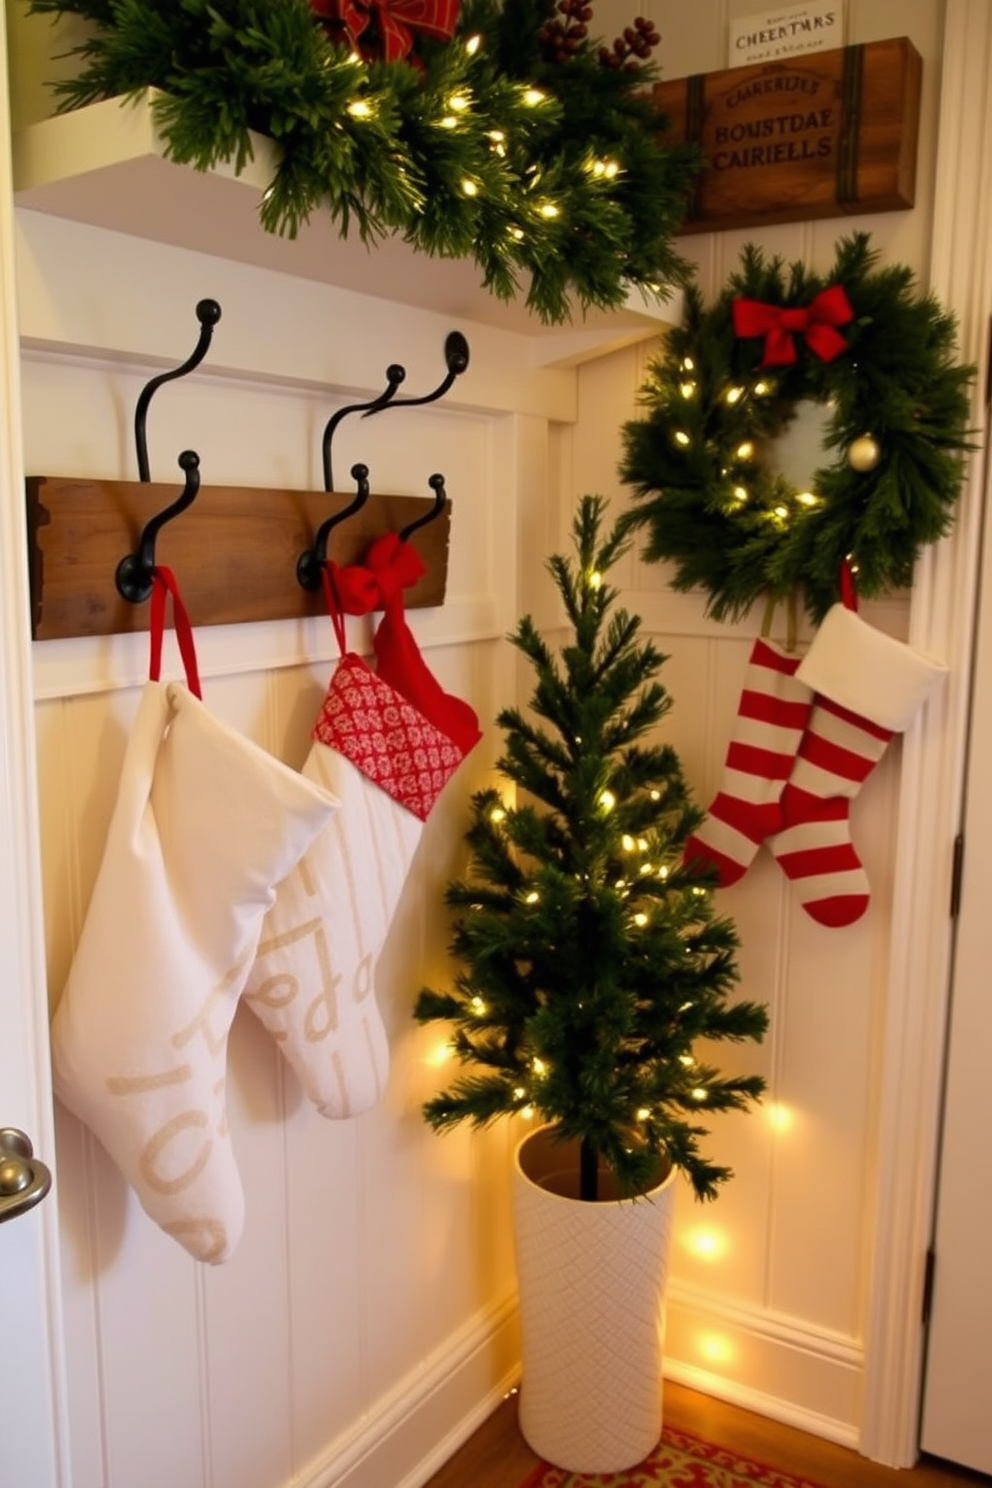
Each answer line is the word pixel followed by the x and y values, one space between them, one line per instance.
pixel 640 920
pixel 473 44
pixel 808 498
pixel 643 1113
pixel 528 1113
pixel 519 1092
pixel 761 388
pixel 663 871
pixel 532 97
pixel 699 1093
pixel 700 893
pixel 470 187
pixel 744 451
pixel 706 1243
pixel 681 437
pixel 360 109
pixel 782 512
pixel 516 233
pixel 478 1006
pixel 655 795
pixel 621 883
pixel 646 868
pixel 497 814
pixel 549 210
pixel 440 1054
pixel 607 800
pixel 740 493
pixel 533 897
pixel 448 122
pixel 734 394
pixel 716 1347
pixel 687 389
pixel 642 843
pixel 627 842
pixel 539 1067
pixel 458 102
pixel 595 580
pixel 687 1060
pixel 688 365
pixel 612 169
pixel 780 1117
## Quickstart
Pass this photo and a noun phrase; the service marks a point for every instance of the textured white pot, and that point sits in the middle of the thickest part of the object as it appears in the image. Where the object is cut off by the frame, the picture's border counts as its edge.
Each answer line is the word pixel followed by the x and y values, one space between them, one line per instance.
pixel 592 1293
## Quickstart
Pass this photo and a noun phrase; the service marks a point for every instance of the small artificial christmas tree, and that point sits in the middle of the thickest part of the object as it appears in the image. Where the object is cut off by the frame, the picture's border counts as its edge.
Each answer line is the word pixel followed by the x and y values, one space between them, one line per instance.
pixel 592 963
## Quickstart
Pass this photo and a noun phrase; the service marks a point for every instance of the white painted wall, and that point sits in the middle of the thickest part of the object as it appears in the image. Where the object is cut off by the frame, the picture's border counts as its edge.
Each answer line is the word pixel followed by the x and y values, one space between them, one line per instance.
pixel 366 1319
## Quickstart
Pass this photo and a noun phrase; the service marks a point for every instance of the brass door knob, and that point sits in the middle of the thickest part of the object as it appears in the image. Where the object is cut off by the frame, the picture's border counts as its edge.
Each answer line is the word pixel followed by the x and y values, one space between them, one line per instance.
pixel 24 1181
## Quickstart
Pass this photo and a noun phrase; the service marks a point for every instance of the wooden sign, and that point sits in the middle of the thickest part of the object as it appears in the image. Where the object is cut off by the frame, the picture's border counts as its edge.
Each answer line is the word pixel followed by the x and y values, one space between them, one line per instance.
pixel 819 135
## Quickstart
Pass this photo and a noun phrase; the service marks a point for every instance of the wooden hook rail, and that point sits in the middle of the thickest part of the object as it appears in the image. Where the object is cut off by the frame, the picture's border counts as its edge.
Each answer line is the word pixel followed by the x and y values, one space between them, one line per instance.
pixel 234 551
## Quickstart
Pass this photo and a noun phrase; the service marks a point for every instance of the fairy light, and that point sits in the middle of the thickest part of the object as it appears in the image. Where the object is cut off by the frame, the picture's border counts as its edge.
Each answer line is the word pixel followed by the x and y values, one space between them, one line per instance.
pixel 528 1113
pixel 781 512
pixel 807 498
pixel 698 1093
pixel 478 1006
pixel 627 842
pixel 681 437
pixel 699 893
pixel 646 869
pixel 621 883
pixel 497 814
pixel 498 140
pixel 687 365
pixel 687 1059
pixel 744 451
pixel 538 1066
pixel 473 44
pixel 519 1092
pixel 533 897
pixel 740 493
pixel 640 920
pixel 643 1113
pixel 516 233
pixel 470 187
pixel 607 800
pixel 762 388
pixel 655 795
pixel 548 210
pixel 360 109
pixel 448 122
pixel 533 96
pixel 734 395
pixel 687 389
pixel 458 103
pixel 595 579
pixel 642 843
pixel 663 871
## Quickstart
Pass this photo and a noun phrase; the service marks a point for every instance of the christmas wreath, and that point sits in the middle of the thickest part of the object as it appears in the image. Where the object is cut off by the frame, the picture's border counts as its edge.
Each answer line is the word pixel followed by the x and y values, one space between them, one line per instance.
pixel 859 340
pixel 500 132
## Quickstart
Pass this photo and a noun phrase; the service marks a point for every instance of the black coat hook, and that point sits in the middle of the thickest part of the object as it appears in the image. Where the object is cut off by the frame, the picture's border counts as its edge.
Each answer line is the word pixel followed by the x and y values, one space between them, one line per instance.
pixel 436 484
pixel 208 314
pixel 456 361
pixel 394 376
pixel 310 563
pixel 134 573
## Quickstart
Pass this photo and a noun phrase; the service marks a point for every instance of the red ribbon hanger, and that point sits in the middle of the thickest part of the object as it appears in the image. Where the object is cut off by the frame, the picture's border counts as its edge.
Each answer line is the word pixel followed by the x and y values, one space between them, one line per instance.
pixel 816 322
pixel 392 23
pixel 163 584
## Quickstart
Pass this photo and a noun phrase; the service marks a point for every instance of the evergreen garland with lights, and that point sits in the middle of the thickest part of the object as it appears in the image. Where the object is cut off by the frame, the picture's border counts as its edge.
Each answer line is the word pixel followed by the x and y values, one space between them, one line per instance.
pixel 897 406
pixel 519 143
pixel 591 963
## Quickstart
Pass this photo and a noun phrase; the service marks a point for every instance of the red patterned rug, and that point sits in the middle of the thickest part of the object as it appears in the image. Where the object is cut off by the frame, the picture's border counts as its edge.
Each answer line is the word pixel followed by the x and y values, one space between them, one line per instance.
pixel 678 1461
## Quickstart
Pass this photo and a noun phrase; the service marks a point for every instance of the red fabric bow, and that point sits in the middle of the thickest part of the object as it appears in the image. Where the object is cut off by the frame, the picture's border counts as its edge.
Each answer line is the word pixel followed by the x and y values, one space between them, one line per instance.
pixel 383 30
pixel 779 324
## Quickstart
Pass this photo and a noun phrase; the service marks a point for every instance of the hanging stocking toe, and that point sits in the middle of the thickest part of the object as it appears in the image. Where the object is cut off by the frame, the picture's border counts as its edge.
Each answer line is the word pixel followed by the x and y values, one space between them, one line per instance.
pixel 771 716
pixel 867 688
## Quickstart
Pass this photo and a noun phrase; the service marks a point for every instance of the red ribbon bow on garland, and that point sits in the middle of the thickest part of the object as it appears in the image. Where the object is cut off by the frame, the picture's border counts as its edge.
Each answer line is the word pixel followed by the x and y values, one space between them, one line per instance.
pixel 779 324
pixel 383 30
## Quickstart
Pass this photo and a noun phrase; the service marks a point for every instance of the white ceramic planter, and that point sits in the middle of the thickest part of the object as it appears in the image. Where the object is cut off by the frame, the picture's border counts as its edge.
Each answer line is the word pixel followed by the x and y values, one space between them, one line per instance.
pixel 592 1293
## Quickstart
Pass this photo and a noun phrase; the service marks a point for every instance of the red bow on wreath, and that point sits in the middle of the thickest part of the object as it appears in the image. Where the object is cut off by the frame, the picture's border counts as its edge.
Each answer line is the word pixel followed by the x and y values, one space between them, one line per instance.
pixel 815 322
pixel 383 30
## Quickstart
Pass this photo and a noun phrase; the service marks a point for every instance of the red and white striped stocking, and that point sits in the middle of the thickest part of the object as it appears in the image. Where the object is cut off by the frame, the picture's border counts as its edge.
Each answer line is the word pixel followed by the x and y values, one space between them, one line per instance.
pixel 773 712
pixel 868 687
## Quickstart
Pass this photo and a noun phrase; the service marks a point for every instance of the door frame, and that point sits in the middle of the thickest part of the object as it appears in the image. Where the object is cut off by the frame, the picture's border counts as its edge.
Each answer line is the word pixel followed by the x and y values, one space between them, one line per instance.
pixel 932 783
pixel 32 1371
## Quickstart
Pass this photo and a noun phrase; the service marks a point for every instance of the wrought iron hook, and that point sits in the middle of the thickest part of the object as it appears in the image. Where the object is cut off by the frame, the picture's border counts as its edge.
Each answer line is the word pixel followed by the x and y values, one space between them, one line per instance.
pixel 134 573
pixel 436 484
pixel 456 360
pixel 208 314
pixel 394 376
pixel 310 563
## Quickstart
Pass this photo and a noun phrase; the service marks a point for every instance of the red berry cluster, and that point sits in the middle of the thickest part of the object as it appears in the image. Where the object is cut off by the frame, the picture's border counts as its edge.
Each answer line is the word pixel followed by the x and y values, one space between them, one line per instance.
pixel 561 36
pixel 632 48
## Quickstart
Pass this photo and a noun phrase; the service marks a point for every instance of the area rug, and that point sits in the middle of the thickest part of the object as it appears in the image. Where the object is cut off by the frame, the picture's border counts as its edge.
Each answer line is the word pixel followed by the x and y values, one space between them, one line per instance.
pixel 678 1461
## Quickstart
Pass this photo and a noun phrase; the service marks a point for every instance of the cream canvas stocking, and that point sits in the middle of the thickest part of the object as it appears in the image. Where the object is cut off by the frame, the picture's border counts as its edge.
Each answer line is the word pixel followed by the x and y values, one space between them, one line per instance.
pixel 204 825
pixel 385 742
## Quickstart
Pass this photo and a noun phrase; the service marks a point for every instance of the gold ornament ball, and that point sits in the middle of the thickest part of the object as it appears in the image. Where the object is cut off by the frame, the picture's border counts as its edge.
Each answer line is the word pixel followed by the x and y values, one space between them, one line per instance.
pixel 863 453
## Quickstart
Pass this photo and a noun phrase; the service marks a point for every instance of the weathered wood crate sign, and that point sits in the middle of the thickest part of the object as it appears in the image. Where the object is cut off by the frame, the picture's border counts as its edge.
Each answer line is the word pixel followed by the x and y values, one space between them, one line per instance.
pixel 822 134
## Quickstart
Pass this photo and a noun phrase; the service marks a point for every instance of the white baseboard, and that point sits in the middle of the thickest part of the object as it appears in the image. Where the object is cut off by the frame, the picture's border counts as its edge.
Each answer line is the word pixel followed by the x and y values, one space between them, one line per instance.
pixel 410 1432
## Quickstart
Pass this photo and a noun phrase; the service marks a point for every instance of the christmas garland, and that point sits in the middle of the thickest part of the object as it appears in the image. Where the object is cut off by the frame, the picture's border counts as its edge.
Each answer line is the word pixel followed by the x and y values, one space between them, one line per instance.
pixel 858 340
pixel 516 140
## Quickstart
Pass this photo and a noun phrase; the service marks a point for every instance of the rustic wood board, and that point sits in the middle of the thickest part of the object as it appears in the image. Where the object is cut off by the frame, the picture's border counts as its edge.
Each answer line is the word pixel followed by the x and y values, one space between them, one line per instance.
pixel 822 134
pixel 234 551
